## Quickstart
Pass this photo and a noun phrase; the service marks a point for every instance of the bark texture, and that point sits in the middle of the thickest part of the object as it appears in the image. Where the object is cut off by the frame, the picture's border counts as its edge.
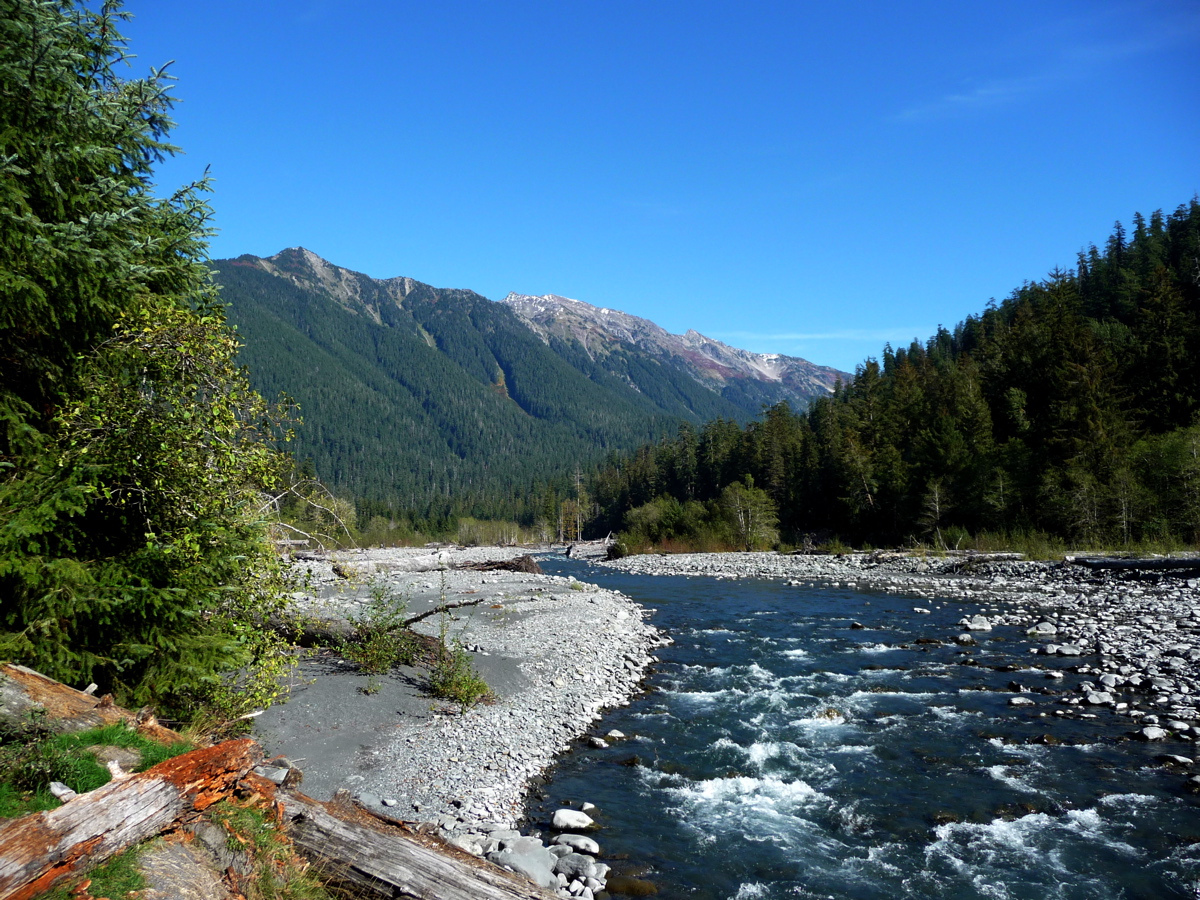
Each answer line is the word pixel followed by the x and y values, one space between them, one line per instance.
pixel 23 690
pixel 370 862
pixel 39 850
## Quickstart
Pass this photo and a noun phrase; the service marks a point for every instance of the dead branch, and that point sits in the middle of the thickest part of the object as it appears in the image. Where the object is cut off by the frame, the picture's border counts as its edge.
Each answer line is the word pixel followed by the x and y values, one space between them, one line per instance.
pixel 445 607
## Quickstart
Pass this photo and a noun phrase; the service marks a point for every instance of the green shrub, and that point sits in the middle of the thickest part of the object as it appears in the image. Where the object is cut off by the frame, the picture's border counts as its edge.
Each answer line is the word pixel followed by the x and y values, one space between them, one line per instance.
pixel 31 757
pixel 454 678
pixel 381 642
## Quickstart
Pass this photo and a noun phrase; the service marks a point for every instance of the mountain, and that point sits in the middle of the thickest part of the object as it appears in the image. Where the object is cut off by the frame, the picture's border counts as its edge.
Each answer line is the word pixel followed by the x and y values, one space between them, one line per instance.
pixel 440 401
pixel 610 337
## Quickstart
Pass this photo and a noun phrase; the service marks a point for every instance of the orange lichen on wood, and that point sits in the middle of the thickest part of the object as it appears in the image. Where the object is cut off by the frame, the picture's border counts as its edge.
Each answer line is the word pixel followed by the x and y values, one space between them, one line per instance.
pixel 38 850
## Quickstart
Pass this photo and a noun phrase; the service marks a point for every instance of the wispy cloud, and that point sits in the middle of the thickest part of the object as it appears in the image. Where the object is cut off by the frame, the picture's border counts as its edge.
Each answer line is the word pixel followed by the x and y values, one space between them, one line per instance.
pixel 992 93
pixel 1070 61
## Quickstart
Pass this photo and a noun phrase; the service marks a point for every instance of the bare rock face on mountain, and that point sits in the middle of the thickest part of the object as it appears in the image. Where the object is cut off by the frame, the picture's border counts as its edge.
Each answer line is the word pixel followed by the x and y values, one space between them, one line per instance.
pixel 710 362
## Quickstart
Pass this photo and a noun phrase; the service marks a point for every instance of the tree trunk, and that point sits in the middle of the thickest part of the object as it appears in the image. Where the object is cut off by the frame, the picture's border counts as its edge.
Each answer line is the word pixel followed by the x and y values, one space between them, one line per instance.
pixel 39 850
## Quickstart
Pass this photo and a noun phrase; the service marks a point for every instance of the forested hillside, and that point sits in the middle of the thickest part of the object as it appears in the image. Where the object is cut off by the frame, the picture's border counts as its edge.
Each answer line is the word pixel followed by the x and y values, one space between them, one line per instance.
pixel 433 403
pixel 1070 409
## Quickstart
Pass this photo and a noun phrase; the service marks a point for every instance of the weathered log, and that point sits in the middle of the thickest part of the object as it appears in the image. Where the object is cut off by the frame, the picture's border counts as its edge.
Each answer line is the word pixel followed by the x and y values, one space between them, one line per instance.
pixel 320 631
pixel 371 862
pixel 23 691
pixel 314 631
pixel 525 564
pixel 39 850
pixel 1146 564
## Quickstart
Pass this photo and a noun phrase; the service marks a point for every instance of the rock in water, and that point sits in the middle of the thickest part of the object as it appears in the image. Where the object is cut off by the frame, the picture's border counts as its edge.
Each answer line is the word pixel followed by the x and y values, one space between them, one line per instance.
pixel 571 820
pixel 579 843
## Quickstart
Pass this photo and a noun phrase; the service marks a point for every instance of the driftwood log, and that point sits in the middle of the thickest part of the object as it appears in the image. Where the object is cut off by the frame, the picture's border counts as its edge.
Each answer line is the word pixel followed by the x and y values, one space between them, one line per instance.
pixel 330 631
pixel 37 851
pixel 24 691
pixel 359 853
pixel 1137 564
pixel 525 564
pixel 371 862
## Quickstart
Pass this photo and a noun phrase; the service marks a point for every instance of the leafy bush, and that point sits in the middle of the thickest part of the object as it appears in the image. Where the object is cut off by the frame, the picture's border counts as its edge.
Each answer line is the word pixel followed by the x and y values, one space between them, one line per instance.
pixel 381 641
pixel 454 678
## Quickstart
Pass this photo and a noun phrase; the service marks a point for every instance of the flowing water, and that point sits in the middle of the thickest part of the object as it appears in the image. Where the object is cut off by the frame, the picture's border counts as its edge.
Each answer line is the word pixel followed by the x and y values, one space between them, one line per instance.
pixel 782 753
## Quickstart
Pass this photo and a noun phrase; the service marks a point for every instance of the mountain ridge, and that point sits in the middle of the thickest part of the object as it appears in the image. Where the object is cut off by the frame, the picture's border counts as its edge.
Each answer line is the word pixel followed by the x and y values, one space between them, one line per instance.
pixel 445 401
pixel 709 361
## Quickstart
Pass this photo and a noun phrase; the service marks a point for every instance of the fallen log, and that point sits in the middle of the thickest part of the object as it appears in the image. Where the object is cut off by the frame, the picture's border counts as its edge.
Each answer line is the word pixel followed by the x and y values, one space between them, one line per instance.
pixel 1115 563
pixel 525 564
pixel 371 862
pixel 320 631
pixel 23 691
pixel 39 850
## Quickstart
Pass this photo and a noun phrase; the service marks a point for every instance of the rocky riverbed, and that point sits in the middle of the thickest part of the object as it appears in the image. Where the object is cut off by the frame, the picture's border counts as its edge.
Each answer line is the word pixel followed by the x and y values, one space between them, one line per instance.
pixel 1136 633
pixel 555 651
pixel 559 651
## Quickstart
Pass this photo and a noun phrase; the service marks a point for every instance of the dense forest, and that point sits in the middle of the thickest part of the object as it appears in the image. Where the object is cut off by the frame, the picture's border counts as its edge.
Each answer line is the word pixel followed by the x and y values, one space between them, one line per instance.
pixel 425 405
pixel 1070 409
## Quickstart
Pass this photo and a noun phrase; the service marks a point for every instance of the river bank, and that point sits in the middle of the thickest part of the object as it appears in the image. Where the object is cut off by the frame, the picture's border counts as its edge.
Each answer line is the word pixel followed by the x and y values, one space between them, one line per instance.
pixel 558 651
pixel 1136 634
pixel 555 651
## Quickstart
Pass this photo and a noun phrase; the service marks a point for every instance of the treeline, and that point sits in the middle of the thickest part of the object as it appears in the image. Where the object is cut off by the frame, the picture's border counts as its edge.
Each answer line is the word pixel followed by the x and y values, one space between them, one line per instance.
pixel 135 461
pixel 1069 409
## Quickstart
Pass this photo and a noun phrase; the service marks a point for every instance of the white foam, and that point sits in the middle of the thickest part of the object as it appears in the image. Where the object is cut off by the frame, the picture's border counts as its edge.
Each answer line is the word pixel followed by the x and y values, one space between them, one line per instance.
pixel 703 696
pixel 750 890
pixel 1129 800
pixel 820 720
pixel 951 713
pixel 1028 841
pixel 795 654
pixel 871 648
pixel 1002 774
pixel 908 695
pixel 768 795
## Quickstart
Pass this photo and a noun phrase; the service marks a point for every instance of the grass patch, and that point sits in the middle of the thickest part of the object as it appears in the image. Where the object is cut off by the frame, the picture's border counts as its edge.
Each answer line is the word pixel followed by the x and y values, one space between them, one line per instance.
pixel 31 757
pixel 279 873
pixel 119 877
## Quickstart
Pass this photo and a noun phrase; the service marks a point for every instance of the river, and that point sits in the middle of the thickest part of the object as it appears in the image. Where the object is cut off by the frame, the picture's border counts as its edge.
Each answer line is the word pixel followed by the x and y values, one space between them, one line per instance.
pixel 781 752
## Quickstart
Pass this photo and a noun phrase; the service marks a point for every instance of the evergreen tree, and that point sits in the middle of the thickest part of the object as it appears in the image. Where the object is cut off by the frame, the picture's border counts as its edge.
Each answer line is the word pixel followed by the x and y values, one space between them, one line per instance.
pixel 132 452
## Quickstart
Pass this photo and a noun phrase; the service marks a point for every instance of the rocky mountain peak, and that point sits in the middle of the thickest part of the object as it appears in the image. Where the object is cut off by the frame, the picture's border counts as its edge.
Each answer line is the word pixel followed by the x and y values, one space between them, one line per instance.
pixel 600 331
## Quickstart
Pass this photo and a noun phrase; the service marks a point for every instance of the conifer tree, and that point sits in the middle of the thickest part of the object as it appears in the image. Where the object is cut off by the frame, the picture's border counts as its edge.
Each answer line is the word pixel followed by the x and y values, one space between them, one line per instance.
pixel 132 451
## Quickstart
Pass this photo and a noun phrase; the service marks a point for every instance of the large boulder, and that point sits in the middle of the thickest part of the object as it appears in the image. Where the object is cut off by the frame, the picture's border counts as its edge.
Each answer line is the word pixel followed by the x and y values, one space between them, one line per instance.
pixel 579 843
pixel 527 857
pixel 571 820
pixel 576 865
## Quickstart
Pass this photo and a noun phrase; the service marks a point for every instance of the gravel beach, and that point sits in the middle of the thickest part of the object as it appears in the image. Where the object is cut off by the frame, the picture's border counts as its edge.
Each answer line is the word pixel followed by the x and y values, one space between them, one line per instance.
pixel 555 651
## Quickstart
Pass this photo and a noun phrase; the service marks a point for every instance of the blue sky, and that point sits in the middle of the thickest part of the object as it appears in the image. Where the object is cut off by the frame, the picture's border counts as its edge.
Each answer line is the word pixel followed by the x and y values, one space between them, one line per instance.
pixel 802 178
